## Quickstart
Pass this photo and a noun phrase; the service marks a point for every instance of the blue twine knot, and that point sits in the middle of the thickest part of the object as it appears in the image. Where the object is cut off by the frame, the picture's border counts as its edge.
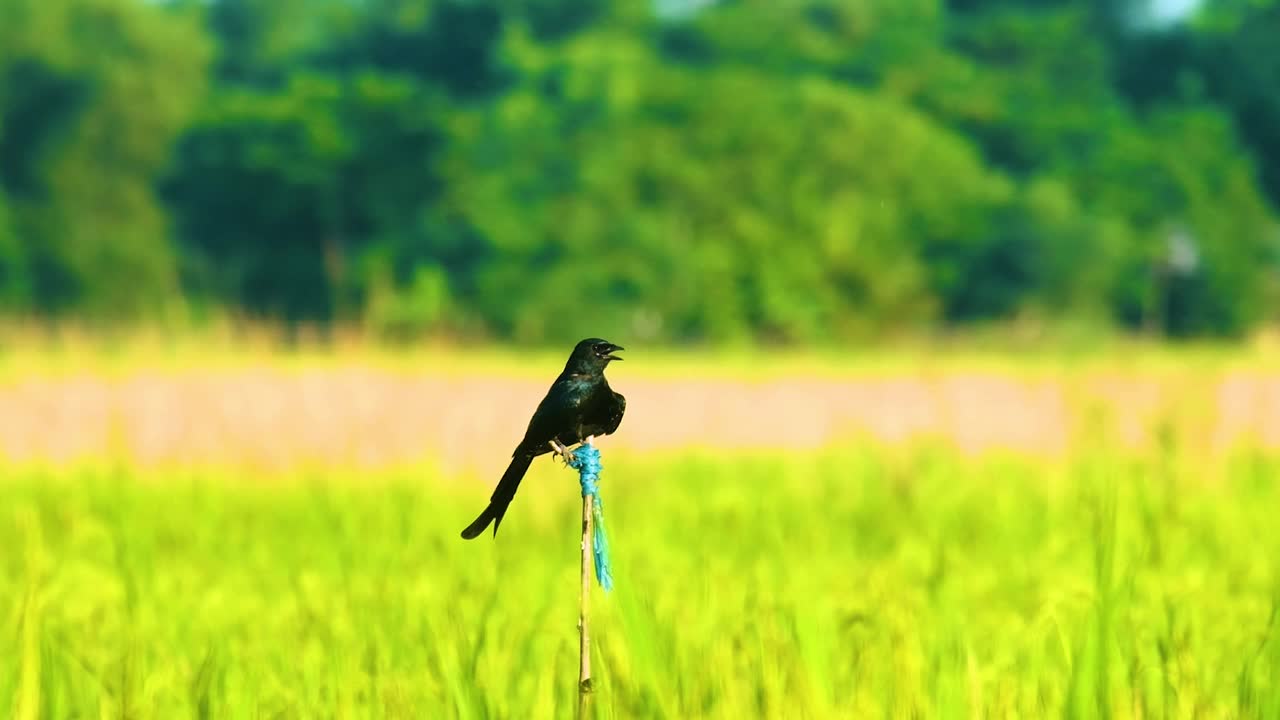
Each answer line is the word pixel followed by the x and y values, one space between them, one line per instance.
pixel 586 460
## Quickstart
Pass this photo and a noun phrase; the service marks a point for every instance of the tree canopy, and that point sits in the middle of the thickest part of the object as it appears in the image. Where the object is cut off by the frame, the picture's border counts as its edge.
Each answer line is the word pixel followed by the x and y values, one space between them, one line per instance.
pixel 808 171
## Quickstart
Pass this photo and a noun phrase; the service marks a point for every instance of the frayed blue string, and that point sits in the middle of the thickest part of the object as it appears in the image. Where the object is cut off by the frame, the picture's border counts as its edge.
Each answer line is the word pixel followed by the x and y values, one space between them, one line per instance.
pixel 586 460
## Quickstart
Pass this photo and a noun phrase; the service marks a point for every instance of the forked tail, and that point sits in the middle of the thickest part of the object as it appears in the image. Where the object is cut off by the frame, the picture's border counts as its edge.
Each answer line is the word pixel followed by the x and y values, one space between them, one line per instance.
pixel 501 497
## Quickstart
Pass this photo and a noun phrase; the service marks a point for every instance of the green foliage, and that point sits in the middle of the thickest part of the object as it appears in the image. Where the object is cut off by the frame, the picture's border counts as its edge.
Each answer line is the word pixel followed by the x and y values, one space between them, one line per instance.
pixel 1208 192
pixel 612 170
pixel 396 312
pixel 13 263
pixel 799 171
pixel 850 583
pixel 94 93
pixel 313 174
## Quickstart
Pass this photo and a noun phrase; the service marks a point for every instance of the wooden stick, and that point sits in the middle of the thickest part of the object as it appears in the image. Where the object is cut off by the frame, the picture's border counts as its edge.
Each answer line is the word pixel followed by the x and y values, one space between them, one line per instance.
pixel 584 634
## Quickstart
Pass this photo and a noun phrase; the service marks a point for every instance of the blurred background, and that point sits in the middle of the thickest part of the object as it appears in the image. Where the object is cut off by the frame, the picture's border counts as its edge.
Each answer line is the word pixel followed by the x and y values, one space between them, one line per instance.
pixel 669 171
pixel 397 189
pixel 952 365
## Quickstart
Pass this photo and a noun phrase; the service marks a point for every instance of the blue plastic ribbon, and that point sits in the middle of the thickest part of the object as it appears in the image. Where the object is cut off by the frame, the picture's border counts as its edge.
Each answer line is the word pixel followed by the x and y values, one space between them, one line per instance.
pixel 586 460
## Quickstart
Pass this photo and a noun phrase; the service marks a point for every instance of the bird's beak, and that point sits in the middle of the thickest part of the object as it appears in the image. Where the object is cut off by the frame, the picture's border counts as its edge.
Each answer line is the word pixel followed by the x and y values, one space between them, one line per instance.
pixel 612 349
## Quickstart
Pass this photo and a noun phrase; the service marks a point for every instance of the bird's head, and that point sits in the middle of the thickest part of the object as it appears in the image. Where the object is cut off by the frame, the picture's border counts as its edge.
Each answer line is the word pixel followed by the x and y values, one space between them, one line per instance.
pixel 593 354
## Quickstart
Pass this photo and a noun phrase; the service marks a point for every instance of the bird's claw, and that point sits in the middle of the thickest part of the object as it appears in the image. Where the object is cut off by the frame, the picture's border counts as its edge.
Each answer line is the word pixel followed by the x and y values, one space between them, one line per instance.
pixel 565 454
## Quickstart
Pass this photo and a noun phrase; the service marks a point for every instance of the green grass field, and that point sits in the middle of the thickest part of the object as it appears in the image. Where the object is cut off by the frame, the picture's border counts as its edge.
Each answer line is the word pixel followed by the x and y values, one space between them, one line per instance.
pixel 857 582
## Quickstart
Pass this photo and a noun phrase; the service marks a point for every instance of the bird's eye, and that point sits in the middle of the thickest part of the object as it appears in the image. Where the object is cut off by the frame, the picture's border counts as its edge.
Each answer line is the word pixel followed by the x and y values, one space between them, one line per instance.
pixel 600 347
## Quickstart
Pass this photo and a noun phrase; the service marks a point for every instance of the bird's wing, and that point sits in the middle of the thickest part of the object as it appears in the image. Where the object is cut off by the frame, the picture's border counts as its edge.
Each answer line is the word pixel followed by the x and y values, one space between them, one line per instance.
pixel 554 414
pixel 615 413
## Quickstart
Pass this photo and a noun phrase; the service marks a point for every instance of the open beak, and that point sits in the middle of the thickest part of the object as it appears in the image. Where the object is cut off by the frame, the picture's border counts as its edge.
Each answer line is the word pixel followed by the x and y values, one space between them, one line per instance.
pixel 609 355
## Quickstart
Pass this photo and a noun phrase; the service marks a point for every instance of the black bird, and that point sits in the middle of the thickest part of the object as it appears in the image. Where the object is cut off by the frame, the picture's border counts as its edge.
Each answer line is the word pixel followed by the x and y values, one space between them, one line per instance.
pixel 580 405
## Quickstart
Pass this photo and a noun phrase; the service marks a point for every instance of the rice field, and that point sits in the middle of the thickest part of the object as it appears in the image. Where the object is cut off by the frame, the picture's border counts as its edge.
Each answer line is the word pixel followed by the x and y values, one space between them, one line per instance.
pixel 256 535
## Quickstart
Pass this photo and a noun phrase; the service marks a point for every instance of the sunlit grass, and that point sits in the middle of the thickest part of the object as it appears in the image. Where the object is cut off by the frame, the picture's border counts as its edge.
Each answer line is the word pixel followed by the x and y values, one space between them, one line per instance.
pixel 43 350
pixel 845 583
pixel 164 566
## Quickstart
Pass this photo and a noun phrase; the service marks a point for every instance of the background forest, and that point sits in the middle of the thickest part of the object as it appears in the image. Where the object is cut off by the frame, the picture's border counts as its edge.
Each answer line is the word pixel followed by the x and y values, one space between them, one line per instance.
pixel 685 170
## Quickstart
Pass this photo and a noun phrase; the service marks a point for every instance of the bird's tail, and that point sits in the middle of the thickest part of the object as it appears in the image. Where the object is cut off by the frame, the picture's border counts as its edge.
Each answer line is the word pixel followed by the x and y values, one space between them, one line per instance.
pixel 501 497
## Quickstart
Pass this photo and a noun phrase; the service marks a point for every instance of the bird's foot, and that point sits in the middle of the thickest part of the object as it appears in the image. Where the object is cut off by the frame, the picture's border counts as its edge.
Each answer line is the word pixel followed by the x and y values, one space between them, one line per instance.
pixel 568 452
pixel 558 448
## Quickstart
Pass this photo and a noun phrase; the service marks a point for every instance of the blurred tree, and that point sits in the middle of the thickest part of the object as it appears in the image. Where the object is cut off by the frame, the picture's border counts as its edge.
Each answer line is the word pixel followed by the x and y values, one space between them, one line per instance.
pixel 260 41
pixel 277 192
pixel 723 203
pixel 318 148
pixel 15 290
pixel 1035 88
pixel 1228 58
pixel 93 93
pixel 739 169
pixel 1206 192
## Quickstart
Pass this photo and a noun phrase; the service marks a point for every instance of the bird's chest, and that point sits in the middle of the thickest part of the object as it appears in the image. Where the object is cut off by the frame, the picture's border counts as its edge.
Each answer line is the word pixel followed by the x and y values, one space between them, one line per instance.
pixel 581 393
pixel 586 403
